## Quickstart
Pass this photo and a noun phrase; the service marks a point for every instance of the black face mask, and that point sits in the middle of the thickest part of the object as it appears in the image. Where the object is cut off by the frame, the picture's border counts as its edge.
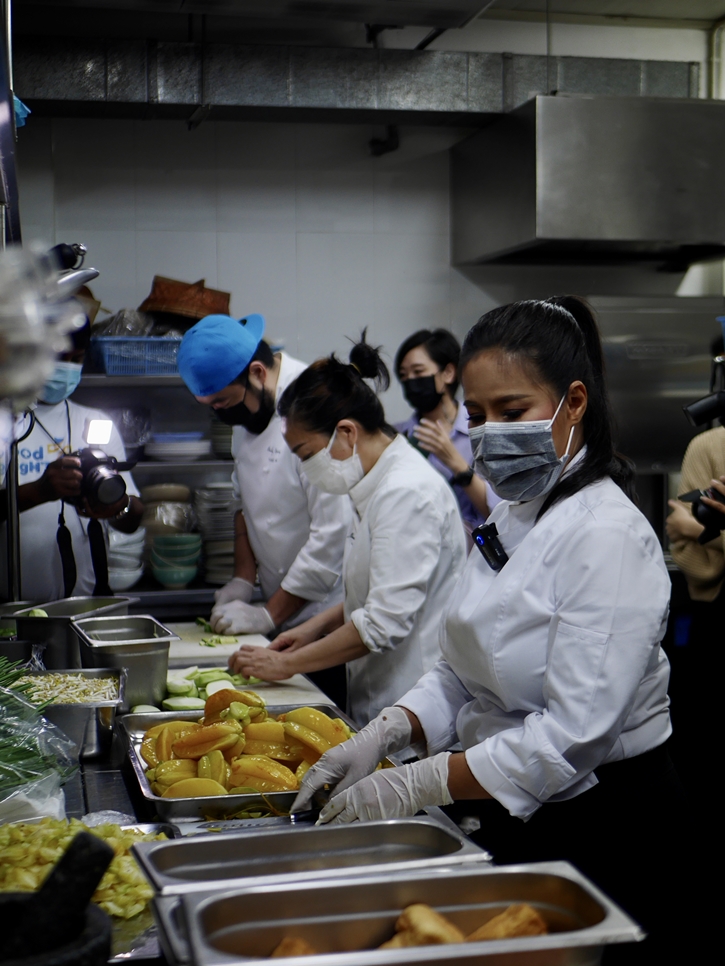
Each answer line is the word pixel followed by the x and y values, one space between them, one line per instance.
pixel 421 394
pixel 255 423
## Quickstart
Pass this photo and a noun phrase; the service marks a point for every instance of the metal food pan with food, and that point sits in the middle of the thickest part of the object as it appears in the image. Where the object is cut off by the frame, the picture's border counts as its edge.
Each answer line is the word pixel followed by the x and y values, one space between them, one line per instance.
pixel 354 916
pixel 139 643
pixel 299 854
pixel 55 632
pixel 90 723
pixel 134 726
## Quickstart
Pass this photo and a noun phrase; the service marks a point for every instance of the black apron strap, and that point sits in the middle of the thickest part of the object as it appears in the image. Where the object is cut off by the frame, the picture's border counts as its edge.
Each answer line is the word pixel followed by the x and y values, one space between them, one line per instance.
pixel 67 559
pixel 99 559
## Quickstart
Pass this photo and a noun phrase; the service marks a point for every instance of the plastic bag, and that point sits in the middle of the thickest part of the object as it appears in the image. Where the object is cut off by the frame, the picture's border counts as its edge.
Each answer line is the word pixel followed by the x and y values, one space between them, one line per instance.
pixel 169 517
pixel 126 322
pixel 33 752
pixel 41 799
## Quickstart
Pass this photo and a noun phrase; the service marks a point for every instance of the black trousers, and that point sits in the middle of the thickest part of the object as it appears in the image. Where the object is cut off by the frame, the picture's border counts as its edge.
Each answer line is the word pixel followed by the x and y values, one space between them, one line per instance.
pixel 629 835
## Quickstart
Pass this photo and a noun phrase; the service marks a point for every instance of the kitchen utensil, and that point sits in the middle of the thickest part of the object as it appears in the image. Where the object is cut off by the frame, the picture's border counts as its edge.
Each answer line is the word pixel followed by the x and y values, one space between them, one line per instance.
pixel 89 725
pixel 139 643
pixel 55 633
pixel 174 578
pixel 124 579
pixel 347 919
pixel 228 861
pixel 133 727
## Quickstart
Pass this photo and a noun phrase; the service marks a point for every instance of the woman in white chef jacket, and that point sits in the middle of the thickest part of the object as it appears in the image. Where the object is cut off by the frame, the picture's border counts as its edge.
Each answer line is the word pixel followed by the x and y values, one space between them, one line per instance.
pixel 552 678
pixel 403 557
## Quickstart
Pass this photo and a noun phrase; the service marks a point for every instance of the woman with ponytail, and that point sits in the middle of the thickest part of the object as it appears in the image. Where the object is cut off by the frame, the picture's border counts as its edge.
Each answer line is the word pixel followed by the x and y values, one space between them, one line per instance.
pixel 403 557
pixel 553 679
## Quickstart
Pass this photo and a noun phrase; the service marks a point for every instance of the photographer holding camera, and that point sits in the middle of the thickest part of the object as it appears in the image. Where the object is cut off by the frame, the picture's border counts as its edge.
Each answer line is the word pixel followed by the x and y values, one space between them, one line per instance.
pixel 696 526
pixel 62 550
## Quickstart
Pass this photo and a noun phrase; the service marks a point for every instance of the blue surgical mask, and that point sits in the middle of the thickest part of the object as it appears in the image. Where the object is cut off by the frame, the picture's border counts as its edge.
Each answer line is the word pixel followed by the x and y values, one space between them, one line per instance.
pixel 519 459
pixel 62 383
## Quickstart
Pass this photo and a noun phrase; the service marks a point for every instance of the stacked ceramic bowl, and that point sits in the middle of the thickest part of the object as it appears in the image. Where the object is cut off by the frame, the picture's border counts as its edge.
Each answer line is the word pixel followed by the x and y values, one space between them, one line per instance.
pixel 125 558
pixel 175 559
pixel 178 447
pixel 215 512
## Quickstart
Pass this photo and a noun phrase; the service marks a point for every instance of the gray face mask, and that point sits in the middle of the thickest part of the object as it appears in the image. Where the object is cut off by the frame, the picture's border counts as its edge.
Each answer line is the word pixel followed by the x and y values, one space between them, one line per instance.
pixel 519 459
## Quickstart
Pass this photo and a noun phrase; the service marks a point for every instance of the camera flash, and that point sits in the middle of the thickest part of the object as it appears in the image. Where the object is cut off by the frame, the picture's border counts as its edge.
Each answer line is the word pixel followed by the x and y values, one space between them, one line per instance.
pixel 99 432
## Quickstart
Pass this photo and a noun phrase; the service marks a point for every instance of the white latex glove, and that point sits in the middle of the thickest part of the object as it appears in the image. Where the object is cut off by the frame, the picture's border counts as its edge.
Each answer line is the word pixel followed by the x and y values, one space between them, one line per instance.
pixel 392 793
pixel 347 763
pixel 237 589
pixel 236 617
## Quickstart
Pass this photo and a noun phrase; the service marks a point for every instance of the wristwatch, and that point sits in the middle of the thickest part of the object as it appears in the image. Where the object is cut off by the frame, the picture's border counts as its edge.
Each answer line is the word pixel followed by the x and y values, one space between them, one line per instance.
pixel 125 512
pixel 462 479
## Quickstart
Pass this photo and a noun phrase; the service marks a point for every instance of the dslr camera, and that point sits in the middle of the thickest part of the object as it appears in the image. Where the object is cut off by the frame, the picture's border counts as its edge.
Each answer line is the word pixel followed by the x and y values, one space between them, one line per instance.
pixel 707 410
pixel 102 484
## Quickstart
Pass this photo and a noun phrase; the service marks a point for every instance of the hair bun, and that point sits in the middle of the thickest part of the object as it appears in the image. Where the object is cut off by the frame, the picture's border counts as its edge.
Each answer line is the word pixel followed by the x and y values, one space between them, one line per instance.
pixel 368 362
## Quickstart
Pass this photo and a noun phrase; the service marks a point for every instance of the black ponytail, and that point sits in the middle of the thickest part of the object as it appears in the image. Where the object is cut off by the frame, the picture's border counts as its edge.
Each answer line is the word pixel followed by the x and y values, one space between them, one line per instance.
pixel 330 390
pixel 560 339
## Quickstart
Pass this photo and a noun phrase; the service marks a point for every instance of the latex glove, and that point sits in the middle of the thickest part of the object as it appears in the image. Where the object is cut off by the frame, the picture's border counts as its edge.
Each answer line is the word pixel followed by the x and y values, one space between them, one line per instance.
pixel 392 793
pixel 236 617
pixel 237 589
pixel 347 763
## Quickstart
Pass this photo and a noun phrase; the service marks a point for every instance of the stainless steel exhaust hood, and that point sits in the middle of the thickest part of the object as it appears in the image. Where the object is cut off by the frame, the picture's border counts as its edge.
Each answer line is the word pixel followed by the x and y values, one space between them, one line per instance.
pixel 593 180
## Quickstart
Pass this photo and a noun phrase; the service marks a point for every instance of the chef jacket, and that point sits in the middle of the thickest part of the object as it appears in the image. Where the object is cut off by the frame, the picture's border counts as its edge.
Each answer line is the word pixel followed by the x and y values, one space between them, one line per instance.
pixel 296 532
pixel 460 439
pixel 41 567
pixel 553 666
pixel 402 560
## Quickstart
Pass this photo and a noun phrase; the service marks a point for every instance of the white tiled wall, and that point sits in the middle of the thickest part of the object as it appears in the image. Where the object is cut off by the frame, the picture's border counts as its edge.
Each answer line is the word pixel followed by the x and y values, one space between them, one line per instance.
pixel 298 222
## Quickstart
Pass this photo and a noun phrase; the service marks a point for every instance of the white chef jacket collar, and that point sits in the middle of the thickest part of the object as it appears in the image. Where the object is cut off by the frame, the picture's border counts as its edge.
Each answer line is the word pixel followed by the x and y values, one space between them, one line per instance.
pixel 362 491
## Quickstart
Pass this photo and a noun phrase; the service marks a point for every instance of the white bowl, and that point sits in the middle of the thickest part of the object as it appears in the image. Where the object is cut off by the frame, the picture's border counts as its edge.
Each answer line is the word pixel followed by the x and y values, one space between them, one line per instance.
pixel 118 560
pixel 123 579
pixel 125 541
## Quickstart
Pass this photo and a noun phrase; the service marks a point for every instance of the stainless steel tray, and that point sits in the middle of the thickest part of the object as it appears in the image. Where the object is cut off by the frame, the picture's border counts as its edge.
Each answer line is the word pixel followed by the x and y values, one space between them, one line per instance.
pixel 134 726
pixel 299 854
pixel 89 725
pixel 357 914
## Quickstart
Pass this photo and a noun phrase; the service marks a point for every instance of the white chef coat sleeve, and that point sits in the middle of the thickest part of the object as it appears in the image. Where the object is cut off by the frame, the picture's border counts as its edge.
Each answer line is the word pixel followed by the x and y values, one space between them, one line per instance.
pixel 406 531
pixel 611 600
pixel 318 565
pixel 116 448
pixel 435 701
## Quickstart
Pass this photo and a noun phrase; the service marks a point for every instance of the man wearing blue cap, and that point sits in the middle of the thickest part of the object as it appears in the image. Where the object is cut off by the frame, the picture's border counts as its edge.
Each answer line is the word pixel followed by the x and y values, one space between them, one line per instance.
pixel 288 532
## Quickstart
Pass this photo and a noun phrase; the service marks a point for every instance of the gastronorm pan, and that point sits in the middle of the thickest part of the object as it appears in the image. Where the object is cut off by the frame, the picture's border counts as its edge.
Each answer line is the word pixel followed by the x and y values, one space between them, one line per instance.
pixel 90 725
pixel 134 726
pixel 355 915
pixel 138 643
pixel 55 632
pixel 298 854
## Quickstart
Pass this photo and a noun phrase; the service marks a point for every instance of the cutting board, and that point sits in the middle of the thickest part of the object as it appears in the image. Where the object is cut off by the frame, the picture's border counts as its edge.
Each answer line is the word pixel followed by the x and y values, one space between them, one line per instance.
pixel 188 651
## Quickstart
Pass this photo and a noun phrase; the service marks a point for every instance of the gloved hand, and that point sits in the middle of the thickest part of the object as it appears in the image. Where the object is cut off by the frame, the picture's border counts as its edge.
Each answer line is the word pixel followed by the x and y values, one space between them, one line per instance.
pixel 347 763
pixel 236 617
pixel 237 589
pixel 392 793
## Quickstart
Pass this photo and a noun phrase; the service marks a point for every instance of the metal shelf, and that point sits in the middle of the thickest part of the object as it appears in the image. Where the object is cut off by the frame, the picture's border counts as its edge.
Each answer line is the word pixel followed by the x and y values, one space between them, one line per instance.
pixel 98 380
pixel 199 465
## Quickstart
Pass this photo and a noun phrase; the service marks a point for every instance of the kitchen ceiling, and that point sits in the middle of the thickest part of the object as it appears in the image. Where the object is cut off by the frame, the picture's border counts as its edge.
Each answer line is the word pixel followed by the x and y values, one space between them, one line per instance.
pixel 433 13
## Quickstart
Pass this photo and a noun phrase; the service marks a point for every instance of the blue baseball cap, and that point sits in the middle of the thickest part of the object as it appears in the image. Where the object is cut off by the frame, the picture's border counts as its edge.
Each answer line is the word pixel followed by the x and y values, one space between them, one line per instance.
pixel 216 350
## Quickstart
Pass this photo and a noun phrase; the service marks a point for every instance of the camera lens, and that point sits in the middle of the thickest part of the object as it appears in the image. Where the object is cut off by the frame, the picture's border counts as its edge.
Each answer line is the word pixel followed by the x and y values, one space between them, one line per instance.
pixel 105 486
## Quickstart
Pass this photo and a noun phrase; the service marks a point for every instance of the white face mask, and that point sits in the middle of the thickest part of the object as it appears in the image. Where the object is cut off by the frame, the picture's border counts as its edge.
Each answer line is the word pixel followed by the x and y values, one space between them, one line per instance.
pixel 331 475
